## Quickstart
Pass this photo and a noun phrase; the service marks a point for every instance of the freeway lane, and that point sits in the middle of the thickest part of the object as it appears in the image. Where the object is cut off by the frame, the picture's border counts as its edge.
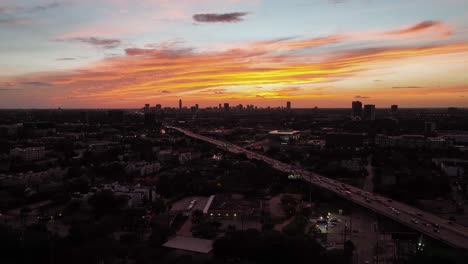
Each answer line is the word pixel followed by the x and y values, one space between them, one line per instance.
pixel 438 228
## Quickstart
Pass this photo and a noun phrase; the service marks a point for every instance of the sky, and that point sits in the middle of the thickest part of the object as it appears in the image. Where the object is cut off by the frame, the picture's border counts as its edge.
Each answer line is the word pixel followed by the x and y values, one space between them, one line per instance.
pixel 325 53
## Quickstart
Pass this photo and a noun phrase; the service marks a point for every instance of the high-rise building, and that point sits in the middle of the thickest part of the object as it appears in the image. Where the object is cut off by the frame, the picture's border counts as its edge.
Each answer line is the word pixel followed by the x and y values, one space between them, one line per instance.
pixel 288 105
pixel 219 106
pixel 357 109
pixel 147 107
pixel 180 103
pixel 226 106
pixel 196 106
pixel 369 112
pixel 394 108
pixel 158 107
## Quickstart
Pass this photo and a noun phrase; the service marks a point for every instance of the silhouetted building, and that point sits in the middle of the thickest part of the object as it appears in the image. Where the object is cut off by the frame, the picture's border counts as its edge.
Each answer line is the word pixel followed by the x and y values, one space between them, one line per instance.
pixel 147 107
pixel 158 107
pixel 369 112
pixel 288 105
pixel 357 109
pixel 429 129
pixel 219 106
pixel 180 103
pixel 394 108
pixel 452 110
pixel 115 116
pixel 226 106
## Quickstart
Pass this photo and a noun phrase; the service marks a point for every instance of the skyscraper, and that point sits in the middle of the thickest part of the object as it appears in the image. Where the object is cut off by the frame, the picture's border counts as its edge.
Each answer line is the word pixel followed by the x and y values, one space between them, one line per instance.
pixel 226 106
pixel 394 108
pixel 357 109
pixel 180 103
pixel 369 112
pixel 288 105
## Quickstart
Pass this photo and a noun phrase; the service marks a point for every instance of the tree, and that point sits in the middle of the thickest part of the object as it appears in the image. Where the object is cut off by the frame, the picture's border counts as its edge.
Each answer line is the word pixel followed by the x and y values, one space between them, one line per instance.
pixel 105 201
pixel 349 248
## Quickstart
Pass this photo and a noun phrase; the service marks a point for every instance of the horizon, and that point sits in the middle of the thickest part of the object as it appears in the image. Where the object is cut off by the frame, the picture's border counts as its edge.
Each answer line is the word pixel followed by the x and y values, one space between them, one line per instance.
pixel 326 53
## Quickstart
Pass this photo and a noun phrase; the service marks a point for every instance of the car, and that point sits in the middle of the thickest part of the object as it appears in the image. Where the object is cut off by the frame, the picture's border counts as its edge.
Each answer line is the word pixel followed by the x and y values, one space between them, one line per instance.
pixel 389 200
pixel 368 200
pixel 414 221
pixel 436 230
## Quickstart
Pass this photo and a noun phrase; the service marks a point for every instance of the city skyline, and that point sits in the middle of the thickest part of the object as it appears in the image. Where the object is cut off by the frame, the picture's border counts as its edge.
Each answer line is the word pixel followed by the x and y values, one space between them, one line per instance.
pixel 121 54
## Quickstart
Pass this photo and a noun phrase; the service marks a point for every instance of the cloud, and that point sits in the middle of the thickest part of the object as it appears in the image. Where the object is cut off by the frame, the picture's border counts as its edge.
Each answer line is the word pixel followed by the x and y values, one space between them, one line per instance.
pixel 65 59
pixel 166 52
pixel 220 18
pixel 361 97
pixel 14 21
pixel 407 87
pixel 137 74
pixel 422 26
pixel 36 8
pixel 101 42
pixel 165 92
pixel 37 83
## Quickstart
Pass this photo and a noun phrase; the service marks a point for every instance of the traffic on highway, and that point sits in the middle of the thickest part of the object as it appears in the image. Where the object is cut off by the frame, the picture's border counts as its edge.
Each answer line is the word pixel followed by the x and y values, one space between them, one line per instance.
pixel 436 227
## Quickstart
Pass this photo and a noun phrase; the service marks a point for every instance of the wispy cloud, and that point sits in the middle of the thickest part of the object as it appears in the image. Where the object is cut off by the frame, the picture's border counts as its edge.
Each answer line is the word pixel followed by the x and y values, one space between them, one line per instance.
pixel 220 18
pixel 422 26
pixel 66 59
pixel 107 43
pixel 36 8
pixel 361 97
pixel 407 87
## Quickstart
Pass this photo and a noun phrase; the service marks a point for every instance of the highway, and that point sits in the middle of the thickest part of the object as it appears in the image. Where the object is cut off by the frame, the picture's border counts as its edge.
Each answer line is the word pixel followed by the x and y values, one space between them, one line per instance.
pixel 431 225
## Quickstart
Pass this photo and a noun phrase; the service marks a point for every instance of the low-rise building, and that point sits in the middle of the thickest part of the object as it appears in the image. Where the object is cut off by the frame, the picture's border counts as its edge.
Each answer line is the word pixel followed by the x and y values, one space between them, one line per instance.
pixel 28 154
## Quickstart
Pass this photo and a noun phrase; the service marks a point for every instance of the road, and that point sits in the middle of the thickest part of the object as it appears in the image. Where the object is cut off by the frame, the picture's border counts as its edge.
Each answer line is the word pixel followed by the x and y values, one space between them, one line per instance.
pixel 451 233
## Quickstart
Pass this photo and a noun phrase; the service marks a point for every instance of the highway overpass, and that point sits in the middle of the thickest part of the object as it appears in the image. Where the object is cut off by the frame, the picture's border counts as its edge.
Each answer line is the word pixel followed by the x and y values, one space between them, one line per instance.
pixel 433 226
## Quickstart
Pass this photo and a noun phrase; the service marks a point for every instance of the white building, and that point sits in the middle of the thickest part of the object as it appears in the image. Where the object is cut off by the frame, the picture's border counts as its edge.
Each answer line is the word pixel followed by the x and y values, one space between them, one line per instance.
pixel 136 194
pixel 143 168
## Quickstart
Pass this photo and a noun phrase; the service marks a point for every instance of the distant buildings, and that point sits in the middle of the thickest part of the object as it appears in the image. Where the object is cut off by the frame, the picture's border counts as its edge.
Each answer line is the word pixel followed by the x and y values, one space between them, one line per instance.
pixel 29 154
pixel 226 106
pixel 288 105
pixel 412 142
pixel 357 109
pixel 394 108
pixel 369 112
pixel 180 104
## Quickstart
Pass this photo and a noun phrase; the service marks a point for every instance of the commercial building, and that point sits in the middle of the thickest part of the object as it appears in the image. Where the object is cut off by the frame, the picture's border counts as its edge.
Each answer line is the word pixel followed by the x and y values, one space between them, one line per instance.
pixel 357 109
pixel 369 112
pixel 394 108
pixel 226 106
pixel 285 135
pixel 29 154
pixel 288 105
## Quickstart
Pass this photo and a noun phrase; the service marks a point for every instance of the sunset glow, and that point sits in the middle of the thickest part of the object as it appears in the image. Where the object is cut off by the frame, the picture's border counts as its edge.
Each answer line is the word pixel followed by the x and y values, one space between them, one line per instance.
pixel 117 53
